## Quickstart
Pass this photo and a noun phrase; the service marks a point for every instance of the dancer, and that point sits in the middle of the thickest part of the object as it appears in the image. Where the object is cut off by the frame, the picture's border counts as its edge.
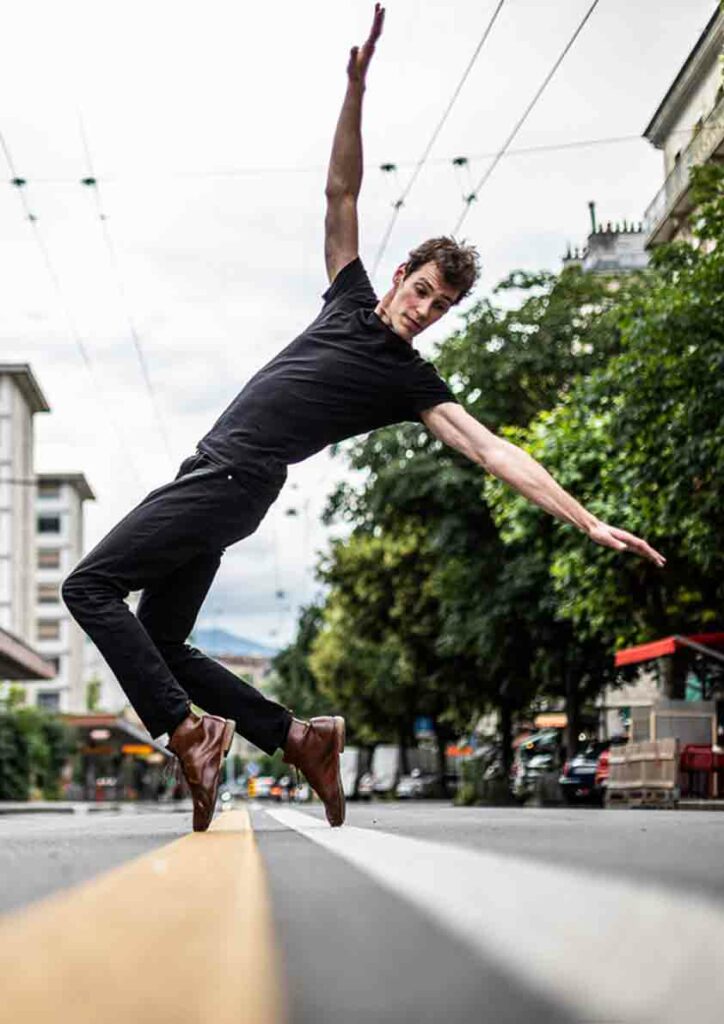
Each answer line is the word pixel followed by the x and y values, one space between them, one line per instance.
pixel 352 370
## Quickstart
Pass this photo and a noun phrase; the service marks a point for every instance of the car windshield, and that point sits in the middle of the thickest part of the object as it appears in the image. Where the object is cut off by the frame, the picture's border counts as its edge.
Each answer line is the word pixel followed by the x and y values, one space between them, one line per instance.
pixel 593 750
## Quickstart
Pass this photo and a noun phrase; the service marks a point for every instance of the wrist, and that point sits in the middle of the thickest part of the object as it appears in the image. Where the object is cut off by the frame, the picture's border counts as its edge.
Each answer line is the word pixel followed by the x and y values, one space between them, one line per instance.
pixel 356 85
pixel 590 523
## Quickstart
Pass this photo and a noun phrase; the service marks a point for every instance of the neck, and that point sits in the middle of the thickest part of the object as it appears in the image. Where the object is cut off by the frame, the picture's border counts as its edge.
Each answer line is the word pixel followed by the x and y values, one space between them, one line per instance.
pixel 381 311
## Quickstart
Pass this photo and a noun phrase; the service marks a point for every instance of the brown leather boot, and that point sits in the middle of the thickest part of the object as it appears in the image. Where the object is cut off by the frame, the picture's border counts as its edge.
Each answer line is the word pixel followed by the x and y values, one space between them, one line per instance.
pixel 314 748
pixel 200 743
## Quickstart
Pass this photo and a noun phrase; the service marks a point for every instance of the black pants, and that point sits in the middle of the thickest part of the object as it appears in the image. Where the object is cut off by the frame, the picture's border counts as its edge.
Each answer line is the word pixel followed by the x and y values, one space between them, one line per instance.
pixel 170 546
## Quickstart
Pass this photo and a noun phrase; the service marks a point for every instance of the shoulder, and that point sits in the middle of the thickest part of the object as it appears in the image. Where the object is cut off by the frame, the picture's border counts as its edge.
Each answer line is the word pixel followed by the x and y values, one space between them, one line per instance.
pixel 351 286
pixel 424 387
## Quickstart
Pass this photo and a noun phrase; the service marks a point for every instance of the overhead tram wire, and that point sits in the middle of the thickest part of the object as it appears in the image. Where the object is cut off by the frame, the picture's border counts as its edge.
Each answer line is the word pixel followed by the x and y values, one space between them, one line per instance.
pixel 19 184
pixel 397 206
pixel 519 124
pixel 92 182
pixel 236 172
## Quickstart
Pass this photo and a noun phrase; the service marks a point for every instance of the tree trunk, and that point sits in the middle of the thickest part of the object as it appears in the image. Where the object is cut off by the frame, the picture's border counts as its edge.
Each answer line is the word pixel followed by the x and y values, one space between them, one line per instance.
pixel 441 741
pixel 404 760
pixel 674 670
pixel 572 712
pixel 506 734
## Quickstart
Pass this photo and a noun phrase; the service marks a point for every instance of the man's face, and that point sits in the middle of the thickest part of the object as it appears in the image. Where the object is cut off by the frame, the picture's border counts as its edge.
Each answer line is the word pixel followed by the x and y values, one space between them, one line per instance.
pixel 419 300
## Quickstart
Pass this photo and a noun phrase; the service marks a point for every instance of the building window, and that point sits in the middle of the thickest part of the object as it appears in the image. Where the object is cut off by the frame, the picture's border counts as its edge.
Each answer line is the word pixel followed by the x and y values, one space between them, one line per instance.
pixel 48 489
pixel 49 700
pixel 48 593
pixel 48 524
pixel 48 558
pixel 48 629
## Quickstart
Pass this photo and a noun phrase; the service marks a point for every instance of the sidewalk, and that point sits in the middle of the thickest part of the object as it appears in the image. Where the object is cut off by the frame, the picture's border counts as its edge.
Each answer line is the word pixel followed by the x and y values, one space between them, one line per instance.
pixel 87 807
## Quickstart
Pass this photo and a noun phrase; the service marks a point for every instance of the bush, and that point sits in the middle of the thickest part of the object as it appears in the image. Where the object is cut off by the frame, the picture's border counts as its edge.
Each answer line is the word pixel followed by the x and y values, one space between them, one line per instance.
pixel 34 746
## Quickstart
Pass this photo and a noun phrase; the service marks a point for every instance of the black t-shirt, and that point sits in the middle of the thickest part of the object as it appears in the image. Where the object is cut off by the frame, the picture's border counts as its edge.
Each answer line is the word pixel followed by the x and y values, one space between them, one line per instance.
pixel 346 374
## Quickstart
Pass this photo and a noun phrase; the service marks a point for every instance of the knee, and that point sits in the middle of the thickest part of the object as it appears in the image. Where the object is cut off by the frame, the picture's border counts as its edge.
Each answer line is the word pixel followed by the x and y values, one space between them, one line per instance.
pixel 82 593
pixel 72 591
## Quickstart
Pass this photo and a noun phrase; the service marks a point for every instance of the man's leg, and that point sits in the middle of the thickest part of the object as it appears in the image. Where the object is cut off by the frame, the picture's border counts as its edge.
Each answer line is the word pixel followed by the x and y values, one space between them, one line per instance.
pixel 203 509
pixel 168 611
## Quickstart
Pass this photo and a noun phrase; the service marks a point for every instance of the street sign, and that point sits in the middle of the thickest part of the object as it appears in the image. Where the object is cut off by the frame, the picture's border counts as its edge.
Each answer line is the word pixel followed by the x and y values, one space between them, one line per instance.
pixel 252 769
pixel 423 728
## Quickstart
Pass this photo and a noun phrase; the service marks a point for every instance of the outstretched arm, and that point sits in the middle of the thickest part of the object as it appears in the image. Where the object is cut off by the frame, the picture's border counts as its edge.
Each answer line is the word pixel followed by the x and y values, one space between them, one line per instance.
pixel 344 178
pixel 457 428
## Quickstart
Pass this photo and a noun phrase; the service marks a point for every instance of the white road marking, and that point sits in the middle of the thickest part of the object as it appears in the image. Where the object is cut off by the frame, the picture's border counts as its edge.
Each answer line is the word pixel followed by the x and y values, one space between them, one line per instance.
pixel 605 947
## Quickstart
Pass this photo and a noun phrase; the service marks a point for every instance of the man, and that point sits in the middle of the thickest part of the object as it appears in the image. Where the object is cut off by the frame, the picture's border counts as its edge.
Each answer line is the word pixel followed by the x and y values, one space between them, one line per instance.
pixel 352 370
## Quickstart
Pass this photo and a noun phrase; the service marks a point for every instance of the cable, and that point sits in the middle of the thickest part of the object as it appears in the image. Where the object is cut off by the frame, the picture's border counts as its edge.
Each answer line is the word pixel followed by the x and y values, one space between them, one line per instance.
pixel 92 182
pixel 496 160
pixel 20 184
pixel 420 163
pixel 234 172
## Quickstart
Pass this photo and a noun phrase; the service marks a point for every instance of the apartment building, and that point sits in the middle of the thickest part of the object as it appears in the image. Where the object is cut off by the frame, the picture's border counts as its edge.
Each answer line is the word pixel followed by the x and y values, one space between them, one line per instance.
pixel 20 400
pixel 688 128
pixel 59 546
pixel 41 539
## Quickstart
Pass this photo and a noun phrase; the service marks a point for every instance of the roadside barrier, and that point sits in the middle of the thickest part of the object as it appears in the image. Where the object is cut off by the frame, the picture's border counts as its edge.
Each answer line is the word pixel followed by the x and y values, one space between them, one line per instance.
pixel 644 774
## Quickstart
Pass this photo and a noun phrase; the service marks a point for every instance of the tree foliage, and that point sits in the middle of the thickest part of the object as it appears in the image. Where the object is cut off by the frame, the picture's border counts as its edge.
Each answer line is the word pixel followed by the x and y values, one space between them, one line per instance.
pixel 640 441
pixel 34 746
pixel 453 593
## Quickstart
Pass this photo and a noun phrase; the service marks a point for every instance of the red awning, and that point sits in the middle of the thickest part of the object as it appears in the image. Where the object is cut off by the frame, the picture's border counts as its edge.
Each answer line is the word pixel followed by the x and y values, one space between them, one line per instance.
pixel 703 642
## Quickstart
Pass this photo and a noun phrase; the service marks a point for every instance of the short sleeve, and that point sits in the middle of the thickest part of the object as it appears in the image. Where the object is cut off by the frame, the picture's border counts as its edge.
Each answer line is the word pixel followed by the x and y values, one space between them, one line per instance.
pixel 424 389
pixel 351 287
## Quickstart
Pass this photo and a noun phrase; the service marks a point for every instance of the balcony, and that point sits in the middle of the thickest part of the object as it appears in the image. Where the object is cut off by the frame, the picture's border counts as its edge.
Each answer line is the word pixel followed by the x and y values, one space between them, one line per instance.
pixel 672 202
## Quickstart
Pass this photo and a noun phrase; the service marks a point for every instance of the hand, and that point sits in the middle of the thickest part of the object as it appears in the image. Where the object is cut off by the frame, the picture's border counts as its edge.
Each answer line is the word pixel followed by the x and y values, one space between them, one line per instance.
pixel 359 59
pixel 621 540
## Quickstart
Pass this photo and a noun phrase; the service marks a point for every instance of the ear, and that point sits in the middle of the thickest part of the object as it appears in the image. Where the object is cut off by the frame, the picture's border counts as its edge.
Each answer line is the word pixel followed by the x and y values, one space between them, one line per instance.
pixel 399 275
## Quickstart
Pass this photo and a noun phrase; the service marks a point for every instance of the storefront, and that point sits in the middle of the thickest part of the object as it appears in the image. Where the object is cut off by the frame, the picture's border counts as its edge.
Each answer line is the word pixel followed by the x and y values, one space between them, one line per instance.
pixel 114 760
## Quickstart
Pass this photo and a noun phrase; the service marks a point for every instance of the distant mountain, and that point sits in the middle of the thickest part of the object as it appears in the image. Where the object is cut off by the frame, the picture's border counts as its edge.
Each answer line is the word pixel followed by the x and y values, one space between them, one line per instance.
pixel 216 642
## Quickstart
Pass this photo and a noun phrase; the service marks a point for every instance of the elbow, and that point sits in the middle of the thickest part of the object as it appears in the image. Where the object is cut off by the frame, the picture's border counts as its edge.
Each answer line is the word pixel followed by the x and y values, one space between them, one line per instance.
pixel 340 192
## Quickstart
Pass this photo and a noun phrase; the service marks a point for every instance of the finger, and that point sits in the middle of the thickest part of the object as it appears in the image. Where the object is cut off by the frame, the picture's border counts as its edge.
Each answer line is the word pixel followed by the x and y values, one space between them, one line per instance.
pixel 638 544
pixel 377 23
pixel 645 550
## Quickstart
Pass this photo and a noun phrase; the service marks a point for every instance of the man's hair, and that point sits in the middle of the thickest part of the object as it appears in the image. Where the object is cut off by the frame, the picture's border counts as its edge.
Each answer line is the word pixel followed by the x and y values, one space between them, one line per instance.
pixel 458 263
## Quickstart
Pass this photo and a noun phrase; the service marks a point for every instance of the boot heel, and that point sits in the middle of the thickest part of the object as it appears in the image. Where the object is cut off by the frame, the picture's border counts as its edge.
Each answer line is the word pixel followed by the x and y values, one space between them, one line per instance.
pixel 341 731
pixel 229 730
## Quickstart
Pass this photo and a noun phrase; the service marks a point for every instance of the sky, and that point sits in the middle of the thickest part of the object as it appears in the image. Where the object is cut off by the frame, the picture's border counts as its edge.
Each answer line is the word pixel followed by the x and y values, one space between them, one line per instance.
pixel 145 304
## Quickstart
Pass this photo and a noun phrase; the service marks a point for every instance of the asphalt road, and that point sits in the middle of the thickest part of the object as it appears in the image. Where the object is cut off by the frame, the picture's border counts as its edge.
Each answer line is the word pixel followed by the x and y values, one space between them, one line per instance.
pixel 424 912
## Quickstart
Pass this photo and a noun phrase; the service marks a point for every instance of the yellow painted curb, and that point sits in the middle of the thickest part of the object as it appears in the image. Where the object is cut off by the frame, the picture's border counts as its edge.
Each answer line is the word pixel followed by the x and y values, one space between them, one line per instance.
pixel 180 935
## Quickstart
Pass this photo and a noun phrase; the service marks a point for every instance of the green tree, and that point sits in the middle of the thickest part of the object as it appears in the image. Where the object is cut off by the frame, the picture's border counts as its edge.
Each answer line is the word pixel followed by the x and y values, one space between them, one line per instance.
pixel 292 681
pixel 34 746
pixel 378 652
pixel 506 365
pixel 640 441
pixel 14 764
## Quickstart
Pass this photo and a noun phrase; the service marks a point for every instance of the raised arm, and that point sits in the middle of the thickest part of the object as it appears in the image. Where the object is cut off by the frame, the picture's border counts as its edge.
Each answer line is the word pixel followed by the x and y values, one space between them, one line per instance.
pixel 344 178
pixel 457 428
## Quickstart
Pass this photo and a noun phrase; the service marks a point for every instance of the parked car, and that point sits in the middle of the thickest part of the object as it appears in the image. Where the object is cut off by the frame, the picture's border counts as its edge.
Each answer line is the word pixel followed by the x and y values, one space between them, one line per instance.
pixel 366 786
pixel 581 780
pixel 416 785
pixel 537 756
pixel 600 780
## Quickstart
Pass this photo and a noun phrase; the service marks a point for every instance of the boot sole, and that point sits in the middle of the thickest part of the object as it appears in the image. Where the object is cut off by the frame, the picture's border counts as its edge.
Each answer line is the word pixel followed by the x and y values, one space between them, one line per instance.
pixel 229 730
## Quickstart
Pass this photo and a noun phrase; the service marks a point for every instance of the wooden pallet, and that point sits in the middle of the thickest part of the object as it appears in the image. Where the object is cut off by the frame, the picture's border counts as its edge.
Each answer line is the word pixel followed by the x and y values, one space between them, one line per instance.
pixel 644 796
